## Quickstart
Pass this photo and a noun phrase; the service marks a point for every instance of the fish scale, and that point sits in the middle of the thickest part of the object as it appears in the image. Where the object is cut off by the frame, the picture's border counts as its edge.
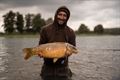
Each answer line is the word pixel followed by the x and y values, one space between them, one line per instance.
pixel 54 50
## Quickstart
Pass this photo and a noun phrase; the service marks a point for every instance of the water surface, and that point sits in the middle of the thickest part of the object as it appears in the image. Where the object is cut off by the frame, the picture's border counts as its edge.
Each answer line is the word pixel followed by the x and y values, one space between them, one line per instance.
pixel 98 59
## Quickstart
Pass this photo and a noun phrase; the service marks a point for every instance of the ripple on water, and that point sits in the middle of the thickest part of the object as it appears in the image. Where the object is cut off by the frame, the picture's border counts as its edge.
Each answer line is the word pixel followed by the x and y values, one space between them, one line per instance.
pixel 3 78
pixel 2 66
pixel 3 58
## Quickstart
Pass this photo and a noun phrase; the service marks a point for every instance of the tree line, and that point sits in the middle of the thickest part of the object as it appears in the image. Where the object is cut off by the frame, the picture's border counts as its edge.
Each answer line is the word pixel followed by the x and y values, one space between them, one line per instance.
pixel 98 29
pixel 32 23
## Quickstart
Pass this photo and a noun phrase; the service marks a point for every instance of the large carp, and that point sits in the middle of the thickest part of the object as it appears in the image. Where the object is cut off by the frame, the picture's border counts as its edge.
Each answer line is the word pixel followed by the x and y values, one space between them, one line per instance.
pixel 51 50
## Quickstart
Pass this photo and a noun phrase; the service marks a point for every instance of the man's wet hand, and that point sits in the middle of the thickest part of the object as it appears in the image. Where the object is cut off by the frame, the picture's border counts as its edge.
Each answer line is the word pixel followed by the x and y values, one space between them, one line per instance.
pixel 40 55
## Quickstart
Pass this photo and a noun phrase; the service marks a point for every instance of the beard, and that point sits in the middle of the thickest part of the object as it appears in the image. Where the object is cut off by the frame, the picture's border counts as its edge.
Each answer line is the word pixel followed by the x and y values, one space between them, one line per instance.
pixel 61 21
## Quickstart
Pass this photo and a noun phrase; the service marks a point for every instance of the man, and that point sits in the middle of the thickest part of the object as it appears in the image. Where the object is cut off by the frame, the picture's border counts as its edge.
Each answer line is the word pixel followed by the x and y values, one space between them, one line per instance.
pixel 58 31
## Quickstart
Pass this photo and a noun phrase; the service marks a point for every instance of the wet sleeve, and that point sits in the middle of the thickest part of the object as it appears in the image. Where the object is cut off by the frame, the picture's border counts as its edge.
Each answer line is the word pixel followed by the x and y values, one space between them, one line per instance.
pixel 43 36
pixel 72 39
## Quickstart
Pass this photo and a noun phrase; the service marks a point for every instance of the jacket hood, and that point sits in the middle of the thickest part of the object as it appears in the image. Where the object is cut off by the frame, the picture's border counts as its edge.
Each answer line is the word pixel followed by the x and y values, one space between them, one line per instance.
pixel 66 10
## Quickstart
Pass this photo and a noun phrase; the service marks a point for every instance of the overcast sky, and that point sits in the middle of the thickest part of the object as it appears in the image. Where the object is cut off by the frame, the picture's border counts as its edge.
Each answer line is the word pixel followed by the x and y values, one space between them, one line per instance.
pixel 89 12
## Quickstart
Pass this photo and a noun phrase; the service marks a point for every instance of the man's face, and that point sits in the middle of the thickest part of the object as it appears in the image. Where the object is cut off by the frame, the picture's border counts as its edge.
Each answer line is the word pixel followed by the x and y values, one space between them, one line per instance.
pixel 61 17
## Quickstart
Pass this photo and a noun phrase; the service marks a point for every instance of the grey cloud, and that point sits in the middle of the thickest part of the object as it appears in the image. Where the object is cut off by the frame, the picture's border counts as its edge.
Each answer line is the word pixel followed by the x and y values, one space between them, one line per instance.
pixel 81 10
pixel 90 9
pixel 48 4
pixel 24 3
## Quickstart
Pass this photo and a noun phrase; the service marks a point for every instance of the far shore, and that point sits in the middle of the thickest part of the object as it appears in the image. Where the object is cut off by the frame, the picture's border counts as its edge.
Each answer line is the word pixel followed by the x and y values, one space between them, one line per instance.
pixel 17 35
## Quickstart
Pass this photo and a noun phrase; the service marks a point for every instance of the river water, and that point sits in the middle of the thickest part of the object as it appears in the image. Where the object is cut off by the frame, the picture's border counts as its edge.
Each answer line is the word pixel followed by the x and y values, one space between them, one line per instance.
pixel 98 59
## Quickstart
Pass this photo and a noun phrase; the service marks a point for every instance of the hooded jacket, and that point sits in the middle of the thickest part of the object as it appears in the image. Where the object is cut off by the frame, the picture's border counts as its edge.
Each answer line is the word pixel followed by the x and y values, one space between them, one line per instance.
pixel 57 33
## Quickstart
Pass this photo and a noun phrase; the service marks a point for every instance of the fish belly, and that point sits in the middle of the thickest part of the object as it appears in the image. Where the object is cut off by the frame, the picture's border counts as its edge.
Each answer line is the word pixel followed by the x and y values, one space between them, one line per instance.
pixel 53 50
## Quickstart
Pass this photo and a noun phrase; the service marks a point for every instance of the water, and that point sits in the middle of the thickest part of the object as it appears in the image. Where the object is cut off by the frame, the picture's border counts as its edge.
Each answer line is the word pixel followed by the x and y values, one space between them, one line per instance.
pixel 98 59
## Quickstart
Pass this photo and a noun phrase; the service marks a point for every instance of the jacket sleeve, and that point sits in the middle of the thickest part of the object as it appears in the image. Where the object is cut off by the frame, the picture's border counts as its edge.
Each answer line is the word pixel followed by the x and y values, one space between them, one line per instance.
pixel 72 39
pixel 43 36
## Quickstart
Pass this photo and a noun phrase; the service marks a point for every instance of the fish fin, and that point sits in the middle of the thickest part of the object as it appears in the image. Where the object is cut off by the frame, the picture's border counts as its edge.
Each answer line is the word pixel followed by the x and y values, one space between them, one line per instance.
pixel 28 53
pixel 55 59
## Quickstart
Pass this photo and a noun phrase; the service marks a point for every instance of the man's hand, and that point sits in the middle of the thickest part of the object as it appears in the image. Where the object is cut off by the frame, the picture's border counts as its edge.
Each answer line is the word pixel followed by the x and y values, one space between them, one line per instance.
pixel 40 55
pixel 68 55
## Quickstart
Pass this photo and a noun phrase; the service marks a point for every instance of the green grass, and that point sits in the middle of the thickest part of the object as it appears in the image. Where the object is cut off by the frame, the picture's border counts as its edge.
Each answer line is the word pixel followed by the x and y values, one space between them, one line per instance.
pixel 19 35
pixel 30 35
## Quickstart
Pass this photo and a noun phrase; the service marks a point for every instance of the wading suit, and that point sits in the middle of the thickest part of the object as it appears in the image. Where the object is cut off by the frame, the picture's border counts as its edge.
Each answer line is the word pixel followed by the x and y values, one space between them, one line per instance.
pixel 57 33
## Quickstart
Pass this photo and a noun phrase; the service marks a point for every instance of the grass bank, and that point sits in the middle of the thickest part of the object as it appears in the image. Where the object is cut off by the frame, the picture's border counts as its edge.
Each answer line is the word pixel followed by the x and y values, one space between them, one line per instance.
pixel 19 35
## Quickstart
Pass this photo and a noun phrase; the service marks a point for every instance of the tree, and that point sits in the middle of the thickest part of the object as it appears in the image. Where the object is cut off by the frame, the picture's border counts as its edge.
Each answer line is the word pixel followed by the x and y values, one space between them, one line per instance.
pixel 9 21
pixel 49 20
pixel 99 29
pixel 19 22
pixel 83 29
pixel 37 23
pixel 115 31
pixel 28 19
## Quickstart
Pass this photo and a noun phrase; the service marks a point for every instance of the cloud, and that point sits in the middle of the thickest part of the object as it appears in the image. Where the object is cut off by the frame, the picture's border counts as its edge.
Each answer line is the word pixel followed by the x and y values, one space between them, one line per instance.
pixel 89 12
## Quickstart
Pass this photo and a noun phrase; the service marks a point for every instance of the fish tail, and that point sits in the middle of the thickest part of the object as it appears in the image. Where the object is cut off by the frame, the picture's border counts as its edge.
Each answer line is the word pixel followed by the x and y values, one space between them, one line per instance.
pixel 28 53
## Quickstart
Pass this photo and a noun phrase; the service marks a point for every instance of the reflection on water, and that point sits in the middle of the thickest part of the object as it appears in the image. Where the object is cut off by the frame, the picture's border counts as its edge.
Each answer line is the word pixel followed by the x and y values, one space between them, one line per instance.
pixel 98 59
pixel 3 54
pixel 3 57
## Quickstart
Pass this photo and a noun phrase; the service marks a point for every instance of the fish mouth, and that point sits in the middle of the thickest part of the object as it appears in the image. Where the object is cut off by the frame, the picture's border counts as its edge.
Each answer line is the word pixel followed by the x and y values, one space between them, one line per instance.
pixel 74 49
